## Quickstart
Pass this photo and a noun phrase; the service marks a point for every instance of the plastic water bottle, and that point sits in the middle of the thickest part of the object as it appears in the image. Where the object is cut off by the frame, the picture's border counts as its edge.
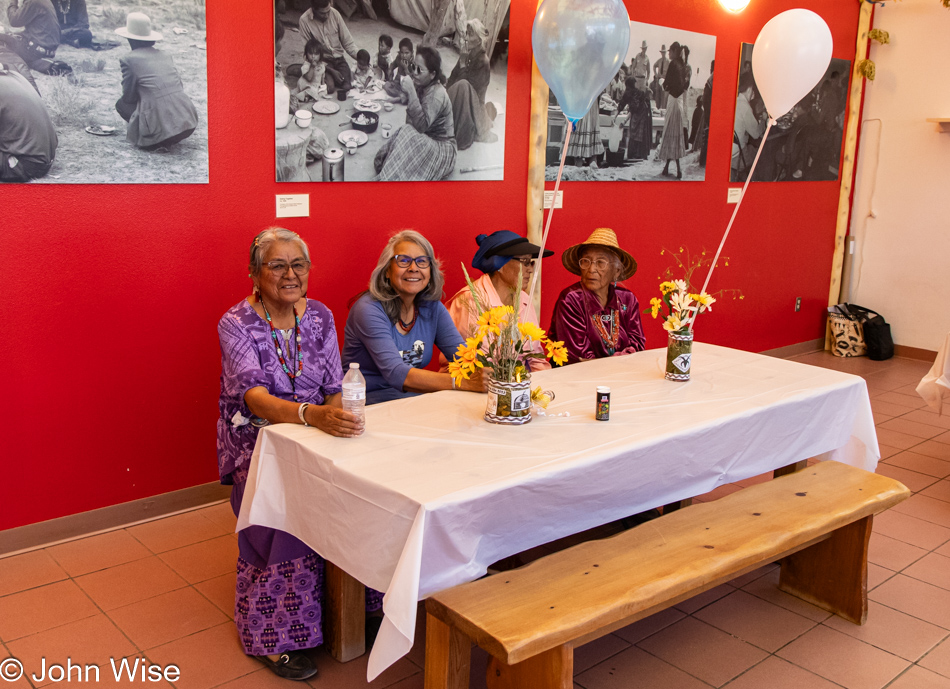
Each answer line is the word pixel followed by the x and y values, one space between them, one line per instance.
pixel 354 391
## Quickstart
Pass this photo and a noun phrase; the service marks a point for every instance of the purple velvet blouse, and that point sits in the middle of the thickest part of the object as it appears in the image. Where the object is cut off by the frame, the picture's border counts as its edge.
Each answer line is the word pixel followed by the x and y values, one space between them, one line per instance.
pixel 575 322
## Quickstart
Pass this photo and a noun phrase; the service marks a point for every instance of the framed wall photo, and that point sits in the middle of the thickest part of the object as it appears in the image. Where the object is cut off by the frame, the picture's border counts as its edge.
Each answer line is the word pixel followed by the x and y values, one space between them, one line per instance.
pixel 406 90
pixel 805 143
pixel 120 99
pixel 650 123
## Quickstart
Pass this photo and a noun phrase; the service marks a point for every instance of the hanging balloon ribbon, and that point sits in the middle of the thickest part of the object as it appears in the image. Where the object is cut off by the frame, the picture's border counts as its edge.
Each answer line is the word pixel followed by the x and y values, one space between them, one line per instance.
pixel 579 46
pixel 791 54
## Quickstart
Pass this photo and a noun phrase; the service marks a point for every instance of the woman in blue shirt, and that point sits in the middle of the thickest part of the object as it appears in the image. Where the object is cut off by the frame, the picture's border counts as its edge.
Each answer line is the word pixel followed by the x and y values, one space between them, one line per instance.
pixel 393 327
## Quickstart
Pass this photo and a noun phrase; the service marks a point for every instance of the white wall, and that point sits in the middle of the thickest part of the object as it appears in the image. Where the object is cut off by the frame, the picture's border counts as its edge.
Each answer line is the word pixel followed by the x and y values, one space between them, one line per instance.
pixel 902 253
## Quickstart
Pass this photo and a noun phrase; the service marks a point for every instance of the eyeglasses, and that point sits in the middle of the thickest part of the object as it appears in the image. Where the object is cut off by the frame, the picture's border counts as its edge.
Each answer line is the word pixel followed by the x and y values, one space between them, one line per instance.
pixel 526 262
pixel 280 267
pixel 599 264
pixel 404 261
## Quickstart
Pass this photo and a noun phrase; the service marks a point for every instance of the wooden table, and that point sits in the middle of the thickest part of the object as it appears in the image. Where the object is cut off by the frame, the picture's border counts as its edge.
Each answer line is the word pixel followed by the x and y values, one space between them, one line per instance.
pixel 432 494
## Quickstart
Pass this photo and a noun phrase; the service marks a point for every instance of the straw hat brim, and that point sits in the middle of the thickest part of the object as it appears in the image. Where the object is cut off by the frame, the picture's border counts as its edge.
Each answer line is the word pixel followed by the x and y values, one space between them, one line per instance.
pixel 571 256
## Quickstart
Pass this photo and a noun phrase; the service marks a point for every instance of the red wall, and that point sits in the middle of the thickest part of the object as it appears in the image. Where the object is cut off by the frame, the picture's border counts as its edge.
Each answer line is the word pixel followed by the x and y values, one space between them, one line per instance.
pixel 111 294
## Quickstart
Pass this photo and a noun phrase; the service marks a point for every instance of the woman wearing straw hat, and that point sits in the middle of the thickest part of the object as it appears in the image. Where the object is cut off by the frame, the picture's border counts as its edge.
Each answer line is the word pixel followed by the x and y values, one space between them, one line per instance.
pixel 596 317
pixel 153 100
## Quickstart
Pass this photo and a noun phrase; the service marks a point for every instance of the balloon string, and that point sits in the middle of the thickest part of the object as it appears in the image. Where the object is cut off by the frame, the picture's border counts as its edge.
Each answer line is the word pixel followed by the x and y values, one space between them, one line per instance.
pixel 547 227
pixel 735 211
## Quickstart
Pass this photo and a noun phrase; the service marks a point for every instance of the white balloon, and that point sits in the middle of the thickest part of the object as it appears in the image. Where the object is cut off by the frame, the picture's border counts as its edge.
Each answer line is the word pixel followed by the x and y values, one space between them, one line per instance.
pixel 792 53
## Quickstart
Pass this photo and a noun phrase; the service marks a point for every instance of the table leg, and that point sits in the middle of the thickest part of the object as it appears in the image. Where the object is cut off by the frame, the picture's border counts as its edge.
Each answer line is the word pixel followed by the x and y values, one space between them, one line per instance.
pixel 678 505
pixel 790 469
pixel 345 624
pixel 448 656
pixel 552 669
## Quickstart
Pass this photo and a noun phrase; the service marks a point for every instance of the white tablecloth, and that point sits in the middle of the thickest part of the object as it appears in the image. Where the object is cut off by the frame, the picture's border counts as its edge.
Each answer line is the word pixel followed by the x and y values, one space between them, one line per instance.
pixel 431 494
pixel 935 386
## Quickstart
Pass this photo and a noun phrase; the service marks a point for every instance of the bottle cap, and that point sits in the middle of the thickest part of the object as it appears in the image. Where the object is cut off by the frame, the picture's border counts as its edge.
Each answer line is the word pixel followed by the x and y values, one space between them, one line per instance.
pixel 354 365
pixel 603 388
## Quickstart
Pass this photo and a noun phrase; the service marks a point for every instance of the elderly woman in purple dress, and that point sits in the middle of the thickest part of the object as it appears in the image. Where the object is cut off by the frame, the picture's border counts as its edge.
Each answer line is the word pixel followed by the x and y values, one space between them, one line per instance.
pixel 596 317
pixel 280 363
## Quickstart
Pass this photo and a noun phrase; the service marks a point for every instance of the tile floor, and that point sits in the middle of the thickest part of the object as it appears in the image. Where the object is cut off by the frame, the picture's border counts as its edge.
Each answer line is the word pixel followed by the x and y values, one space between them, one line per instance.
pixel 164 591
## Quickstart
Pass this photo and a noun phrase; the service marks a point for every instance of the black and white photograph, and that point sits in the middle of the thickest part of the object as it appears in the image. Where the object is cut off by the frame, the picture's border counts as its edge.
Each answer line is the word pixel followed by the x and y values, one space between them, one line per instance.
pixel 805 143
pixel 651 122
pixel 390 90
pixel 110 93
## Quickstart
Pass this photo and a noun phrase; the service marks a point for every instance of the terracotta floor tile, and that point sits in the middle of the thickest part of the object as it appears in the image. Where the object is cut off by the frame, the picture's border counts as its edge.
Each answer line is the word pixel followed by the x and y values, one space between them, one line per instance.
pixel 916 461
pixel 912 401
pixel 220 591
pixel 930 418
pixel 703 651
pixel 877 575
pixel 843 659
pixel 914 480
pixel 933 568
pixel 775 673
pixel 916 598
pixel 944 550
pixel 28 612
pixel 261 679
pixel 353 674
pixel 927 509
pixel 206 659
pixel 176 532
pixel 938 659
pixel 720 492
pixel 597 651
pixel 881 418
pixel 888 451
pixel 222 515
pixel 97 552
pixel 919 678
pixel 935 449
pixel 904 441
pixel 945 438
pixel 891 553
pixel 635 669
pixel 649 626
pixel 167 617
pixel 766 587
pixel 418 682
pixel 889 408
pixel 691 605
pixel 939 490
pixel 749 577
pixel 28 571
pixel 13 669
pixel 93 640
pixel 920 430
pixel 761 478
pixel 129 583
pixel 910 529
pixel 755 621
pixel 892 631
pixel 205 560
pixel 115 673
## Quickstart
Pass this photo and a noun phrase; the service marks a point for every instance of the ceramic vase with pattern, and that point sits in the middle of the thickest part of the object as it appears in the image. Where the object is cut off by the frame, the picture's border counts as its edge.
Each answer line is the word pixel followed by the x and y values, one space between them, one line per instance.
pixel 679 351
pixel 508 403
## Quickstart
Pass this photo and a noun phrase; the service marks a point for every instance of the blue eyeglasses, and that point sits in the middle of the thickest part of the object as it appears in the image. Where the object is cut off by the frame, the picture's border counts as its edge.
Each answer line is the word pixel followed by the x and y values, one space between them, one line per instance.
pixel 404 261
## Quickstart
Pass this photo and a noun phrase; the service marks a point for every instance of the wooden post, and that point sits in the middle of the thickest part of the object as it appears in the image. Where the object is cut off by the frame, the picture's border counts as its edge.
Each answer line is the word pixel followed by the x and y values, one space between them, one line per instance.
pixel 345 626
pixel 847 161
pixel 833 574
pixel 537 144
pixel 439 10
pixel 448 656
pixel 552 669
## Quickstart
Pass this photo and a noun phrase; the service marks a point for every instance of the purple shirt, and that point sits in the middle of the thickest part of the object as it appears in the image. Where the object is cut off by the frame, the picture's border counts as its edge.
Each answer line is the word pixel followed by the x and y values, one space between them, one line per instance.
pixel 573 322
pixel 249 359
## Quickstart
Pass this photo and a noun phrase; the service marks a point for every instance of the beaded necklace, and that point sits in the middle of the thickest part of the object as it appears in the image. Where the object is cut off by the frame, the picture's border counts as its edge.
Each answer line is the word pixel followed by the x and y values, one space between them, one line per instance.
pixel 280 352
pixel 408 326
pixel 610 341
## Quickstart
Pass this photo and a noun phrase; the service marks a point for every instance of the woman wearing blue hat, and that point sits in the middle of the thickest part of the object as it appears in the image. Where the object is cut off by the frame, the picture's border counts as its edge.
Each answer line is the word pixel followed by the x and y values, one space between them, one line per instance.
pixel 500 255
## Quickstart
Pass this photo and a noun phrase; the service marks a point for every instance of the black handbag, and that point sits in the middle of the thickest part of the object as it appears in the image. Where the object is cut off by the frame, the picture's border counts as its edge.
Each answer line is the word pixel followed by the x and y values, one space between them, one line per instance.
pixel 877 332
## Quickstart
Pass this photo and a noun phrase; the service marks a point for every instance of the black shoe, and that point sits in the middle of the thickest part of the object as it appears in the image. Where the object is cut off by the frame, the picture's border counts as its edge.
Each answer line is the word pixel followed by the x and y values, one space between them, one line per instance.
pixel 372 630
pixel 295 665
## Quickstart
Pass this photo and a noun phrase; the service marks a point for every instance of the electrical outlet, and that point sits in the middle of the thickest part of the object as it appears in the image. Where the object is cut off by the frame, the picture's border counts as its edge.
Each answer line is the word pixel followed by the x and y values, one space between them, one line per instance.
pixel 798 304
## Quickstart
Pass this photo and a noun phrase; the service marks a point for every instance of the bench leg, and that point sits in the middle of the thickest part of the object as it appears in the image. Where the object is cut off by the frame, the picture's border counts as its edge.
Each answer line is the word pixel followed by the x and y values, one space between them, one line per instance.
pixel 552 669
pixel 344 627
pixel 833 574
pixel 790 468
pixel 448 656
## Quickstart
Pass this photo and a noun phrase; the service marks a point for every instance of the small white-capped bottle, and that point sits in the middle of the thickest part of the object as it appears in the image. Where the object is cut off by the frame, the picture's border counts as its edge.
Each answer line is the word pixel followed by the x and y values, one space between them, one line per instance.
pixel 354 391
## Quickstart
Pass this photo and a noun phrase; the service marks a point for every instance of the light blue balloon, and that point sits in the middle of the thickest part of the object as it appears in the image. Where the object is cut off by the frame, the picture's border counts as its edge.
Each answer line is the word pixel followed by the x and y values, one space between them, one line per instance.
pixel 579 45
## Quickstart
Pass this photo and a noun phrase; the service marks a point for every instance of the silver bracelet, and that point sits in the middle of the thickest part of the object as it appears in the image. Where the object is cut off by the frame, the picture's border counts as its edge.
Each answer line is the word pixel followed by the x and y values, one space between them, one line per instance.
pixel 300 411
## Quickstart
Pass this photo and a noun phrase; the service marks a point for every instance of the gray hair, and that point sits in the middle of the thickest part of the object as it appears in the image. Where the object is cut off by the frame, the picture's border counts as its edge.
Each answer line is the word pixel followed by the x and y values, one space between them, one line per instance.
pixel 262 243
pixel 379 286
pixel 480 31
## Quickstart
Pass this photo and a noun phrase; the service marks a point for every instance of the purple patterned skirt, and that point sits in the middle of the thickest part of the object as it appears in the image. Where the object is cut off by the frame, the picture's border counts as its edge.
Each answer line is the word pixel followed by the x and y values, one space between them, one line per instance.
pixel 278 603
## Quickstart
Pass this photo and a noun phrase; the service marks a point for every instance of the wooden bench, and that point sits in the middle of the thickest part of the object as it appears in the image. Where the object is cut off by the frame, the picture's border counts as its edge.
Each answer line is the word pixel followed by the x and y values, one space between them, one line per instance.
pixel 817 521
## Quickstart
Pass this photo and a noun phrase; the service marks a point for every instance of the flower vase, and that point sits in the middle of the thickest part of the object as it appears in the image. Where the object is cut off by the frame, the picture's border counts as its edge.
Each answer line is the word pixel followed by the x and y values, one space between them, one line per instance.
pixel 508 403
pixel 679 351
